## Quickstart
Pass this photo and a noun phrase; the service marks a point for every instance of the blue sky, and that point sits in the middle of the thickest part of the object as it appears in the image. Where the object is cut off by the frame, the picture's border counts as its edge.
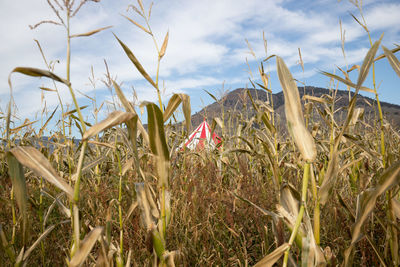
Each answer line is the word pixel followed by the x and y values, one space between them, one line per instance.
pixel 206 49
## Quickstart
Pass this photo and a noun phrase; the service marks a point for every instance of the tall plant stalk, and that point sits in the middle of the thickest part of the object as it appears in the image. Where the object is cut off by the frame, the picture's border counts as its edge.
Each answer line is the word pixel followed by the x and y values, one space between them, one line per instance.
pixel 306 174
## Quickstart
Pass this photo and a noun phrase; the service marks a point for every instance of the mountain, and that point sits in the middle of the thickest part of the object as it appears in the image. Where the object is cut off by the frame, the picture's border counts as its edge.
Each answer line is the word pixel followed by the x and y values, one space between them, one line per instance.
pixel 238 103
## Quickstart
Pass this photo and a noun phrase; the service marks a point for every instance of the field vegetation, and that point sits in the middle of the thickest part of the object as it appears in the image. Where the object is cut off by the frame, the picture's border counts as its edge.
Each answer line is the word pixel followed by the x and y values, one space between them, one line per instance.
pixel 324 192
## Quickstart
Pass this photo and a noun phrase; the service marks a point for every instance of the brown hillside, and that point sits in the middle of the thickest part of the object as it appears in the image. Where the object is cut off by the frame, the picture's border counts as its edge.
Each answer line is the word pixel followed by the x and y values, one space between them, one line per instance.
pixel 238 103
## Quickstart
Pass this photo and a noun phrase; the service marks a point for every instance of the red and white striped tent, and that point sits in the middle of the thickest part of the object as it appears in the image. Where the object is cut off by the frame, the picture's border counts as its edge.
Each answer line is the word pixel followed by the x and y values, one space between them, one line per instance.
pixel 201 138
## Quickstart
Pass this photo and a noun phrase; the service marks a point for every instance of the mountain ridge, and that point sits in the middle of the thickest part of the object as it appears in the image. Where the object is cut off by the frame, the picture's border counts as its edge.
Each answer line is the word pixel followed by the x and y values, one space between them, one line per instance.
pixel 237 101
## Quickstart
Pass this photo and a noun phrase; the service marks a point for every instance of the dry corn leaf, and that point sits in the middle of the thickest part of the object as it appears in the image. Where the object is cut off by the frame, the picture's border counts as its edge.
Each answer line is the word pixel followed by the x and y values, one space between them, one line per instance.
pixel 359 22
pixel 141 5
pixel 174 103
pixel 211 95
pixel 47 89
pixel 128 260
pixel 251 51
pixel 346 82
pixel 288 208
pixel 151 6
pixel 265 43
pixel 129 108
pixel 273 257
pixel 17 129
pixel 315 99
pixel 329 179
pixel 37 242
pixel 263 211
pixel 315 255
pixel 366 203
pixel 90 165
pixel 169 257
pixel 115 118
pixel 101 144
pixel 164 46
pixel 290 199
pixel 388 179
pixel 130 211
pixel 73 111
pixel 394 50
pixel 294 114
pixel 135 62
pixel 137 24
pixel 346 75
pixel 127 165
pixel 86 246
pixel 19 185
pixel 56 200
pixel 47 122
pixel 367 62
pixel 144 205
pixel 264 115
pixel 150 195
pixel 396 207
pixel 34 160
pixel 357 114
pixel 90 33
pixel 394 62
pixel 353 68
pixel 37 73
pixel 301 60
pixel 218 121
pixel 158 142
pixel 20 258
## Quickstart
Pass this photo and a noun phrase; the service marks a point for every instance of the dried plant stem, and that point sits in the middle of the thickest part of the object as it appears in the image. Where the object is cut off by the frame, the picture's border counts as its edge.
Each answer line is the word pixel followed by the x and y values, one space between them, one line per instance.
pixel 14 218
pixel 158 87
pixel 163 213
pixel 55 87
pixel 76 194
pixel 75 218
pixel 317 218
pixel 84 145
pixel 41 207
pixel 158 63
pixel 394 241
pixel 121 229
pixel 299 218
pixel 393 235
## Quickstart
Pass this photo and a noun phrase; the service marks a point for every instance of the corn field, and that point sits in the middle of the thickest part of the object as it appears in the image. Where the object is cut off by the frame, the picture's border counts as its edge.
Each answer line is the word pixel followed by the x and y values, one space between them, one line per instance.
pixel 321 192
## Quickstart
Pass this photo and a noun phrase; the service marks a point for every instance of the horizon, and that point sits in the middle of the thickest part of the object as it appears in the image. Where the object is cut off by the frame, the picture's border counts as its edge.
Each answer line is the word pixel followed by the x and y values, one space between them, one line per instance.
pixel 204 52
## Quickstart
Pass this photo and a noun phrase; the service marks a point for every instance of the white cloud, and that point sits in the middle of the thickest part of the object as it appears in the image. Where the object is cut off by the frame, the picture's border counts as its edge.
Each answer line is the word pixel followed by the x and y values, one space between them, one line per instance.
pixel 206 44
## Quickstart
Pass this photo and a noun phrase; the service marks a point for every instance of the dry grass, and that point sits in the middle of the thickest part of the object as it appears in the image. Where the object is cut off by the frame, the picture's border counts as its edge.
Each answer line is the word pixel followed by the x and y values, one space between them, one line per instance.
pixel 326 194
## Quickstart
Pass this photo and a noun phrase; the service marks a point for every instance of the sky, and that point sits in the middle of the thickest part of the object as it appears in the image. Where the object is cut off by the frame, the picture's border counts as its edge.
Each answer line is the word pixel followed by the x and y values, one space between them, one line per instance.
pixel 207 48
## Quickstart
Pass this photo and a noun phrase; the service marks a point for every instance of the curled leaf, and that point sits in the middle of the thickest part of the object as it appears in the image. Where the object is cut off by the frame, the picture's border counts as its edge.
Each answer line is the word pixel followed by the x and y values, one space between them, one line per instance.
pixel 174 103
pixel 164 46
pixel 37 73
pixel 115 118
